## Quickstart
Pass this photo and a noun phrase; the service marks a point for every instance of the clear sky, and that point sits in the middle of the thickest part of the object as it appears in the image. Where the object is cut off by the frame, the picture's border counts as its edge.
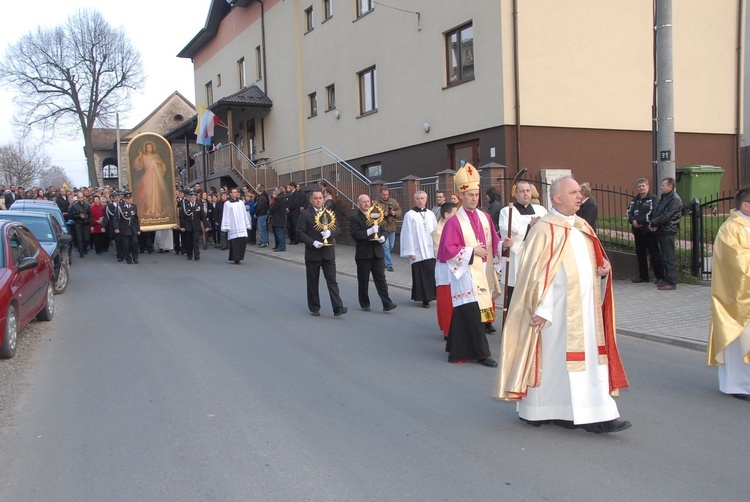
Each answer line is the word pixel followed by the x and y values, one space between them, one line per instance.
pixel 158 29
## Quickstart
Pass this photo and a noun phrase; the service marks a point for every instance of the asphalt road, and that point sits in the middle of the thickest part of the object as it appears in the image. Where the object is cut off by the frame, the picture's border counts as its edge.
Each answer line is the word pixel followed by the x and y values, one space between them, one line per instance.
pixel 176 380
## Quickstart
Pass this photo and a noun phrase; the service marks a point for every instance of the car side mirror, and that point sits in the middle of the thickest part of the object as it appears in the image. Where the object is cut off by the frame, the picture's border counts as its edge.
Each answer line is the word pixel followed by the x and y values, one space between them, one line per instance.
pixel 66 238
pixel 27 263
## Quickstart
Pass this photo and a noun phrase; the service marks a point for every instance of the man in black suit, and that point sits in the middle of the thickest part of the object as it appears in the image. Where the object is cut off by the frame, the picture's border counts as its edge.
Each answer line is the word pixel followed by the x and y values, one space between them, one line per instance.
pixel 369 257
pixel 128 226
pixel 319 256
pixel 191 217
pixel 294 202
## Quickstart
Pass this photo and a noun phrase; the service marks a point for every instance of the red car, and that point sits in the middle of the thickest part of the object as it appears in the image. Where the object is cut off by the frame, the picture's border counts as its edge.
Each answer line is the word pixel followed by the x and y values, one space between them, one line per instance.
pixel 27 283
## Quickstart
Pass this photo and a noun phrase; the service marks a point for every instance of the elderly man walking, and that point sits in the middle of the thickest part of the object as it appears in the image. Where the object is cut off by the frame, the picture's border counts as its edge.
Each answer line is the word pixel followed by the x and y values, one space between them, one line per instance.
pixel 416 244
pixel 559 356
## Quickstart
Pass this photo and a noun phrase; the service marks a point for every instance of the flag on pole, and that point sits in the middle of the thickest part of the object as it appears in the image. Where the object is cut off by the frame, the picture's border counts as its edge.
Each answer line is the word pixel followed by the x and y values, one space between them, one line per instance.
pixel 201 111
pixel 207 123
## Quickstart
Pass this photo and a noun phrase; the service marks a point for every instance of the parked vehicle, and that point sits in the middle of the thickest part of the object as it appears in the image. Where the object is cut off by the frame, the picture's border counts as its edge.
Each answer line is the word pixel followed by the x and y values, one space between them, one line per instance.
pixel 50 235
pixel 46 206
pixel 26 283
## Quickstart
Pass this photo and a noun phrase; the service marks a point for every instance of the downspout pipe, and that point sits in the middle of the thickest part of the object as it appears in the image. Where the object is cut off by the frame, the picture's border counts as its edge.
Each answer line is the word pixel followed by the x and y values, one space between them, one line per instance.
pixel 263 44
pixel 738 111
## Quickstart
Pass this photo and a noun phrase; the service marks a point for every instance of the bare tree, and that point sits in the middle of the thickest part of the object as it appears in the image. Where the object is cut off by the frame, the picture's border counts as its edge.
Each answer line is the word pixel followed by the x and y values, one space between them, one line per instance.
pixel 54 176
pixel 22 164
pixel 75 76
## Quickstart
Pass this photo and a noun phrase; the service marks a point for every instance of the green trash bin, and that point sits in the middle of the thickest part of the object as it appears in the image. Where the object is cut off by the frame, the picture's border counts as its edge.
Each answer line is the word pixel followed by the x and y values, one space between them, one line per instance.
pixel 698 182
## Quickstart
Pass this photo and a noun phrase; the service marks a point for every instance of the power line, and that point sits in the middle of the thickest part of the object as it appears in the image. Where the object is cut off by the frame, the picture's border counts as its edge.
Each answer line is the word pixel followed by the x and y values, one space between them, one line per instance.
pixel 419 15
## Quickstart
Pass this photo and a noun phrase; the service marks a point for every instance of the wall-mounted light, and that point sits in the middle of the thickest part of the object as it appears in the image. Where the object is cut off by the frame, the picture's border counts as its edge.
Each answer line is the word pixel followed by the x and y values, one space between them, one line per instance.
pixel 426 127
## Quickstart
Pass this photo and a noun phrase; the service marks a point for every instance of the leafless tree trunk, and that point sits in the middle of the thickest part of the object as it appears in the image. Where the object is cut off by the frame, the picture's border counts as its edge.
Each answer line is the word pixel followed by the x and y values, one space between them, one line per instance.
pixel 75 76
pixel 22 164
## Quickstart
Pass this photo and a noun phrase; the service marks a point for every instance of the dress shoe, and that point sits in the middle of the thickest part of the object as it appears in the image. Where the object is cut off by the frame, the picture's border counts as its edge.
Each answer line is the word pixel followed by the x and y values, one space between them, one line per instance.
pixel 390 269
pixel 638 280
pixel 488 361
pixel 196 258
pixel 389 307
pixel 534 423
pixel 340 311
pixel 129 262
pixel 606 427
pixel 161 251
pixel 315 313
pixel 425 305
pixel 744 397
pixel 236 262
pixel 135 261
pixel 366 309
pixel 667 287
pixel 489 329
pixel 205 247
pixel 189 257
pixel 659 282
pixel 119 259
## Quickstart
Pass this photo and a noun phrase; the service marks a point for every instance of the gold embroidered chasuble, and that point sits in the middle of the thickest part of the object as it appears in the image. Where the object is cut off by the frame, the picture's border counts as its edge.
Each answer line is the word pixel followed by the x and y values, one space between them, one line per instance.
pixel 548 248
pixel 730 289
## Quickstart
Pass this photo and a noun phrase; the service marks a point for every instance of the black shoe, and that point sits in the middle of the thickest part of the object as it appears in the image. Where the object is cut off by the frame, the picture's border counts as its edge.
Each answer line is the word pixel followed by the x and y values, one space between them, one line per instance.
pixel 534 423
pixel 425 305
pixel 135 261
pixel 129 262
pixel 366 309
pixel 638 280
pixel 196 258
pixel 236 262
pixel 161 251
pixel 81 255
pixel 744 397
pixel 340 311
pixel 389 307
pixel 489 329
pixel 606 427
pixel 488 361
pixel 205 247
pixel 315 313
pixel 659 282
pixel 390 269
pixel 190 257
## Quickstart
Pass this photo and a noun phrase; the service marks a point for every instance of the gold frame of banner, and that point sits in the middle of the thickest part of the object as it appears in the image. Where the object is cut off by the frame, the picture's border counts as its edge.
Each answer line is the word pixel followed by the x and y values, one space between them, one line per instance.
pixel 151 181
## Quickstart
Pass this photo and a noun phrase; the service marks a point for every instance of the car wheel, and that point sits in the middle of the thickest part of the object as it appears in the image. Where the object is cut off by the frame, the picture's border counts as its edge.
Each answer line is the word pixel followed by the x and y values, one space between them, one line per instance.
pixel 10 337
pixel 49 307
pixel 62 279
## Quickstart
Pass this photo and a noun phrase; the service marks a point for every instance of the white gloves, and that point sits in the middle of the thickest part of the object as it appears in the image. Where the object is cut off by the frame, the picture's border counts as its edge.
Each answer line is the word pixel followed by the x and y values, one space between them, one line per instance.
pixel 381 239
pixel 325 234
pixel 373 230
pixel 318 244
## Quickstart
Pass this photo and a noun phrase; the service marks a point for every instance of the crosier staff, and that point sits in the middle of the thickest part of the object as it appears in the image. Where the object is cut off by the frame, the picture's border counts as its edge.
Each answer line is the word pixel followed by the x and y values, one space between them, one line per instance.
pixel 506 251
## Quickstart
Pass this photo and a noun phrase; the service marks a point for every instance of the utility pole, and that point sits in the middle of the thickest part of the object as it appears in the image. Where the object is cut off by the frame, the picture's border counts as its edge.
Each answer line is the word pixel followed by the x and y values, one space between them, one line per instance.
pixel 665 150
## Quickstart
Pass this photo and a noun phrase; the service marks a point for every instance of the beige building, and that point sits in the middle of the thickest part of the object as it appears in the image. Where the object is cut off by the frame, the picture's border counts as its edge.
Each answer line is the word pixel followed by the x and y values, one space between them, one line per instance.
pixel 416 89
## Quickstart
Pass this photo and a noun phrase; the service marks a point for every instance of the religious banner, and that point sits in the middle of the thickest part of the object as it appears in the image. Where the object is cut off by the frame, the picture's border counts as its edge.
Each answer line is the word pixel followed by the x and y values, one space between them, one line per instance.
pixel 151 180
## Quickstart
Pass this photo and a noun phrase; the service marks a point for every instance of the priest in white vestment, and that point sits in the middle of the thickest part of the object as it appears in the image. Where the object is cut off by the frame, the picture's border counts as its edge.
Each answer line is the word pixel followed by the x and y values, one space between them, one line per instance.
pixel 559 356
pixel 729 336
pixel 235 222
pixel 525 215
pixel 416 244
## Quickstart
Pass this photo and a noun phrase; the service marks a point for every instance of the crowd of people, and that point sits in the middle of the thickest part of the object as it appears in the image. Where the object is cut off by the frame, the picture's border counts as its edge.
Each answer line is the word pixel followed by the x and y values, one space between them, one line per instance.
pixel 545 266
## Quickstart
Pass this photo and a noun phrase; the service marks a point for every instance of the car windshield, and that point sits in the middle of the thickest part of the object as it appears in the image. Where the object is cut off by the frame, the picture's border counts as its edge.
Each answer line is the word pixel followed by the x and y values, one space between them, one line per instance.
pixel 40 227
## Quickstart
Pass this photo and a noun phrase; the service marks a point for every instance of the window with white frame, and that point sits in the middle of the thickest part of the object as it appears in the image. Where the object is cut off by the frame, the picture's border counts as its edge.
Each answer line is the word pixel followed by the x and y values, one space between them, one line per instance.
pixel 368 85
pixel 309 19
pixel 209 94
pixel 331 96
pixel 374 170
pixel 241 72
pixel 313 97
pixel 459 54
pixel 364 7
